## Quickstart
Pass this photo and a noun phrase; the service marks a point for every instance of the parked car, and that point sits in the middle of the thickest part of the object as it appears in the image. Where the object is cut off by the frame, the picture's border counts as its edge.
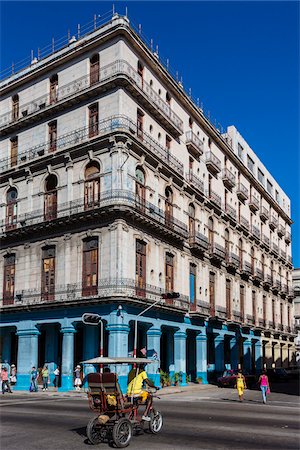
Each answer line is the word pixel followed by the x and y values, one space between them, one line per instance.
pixel 229 379
pixel 277 374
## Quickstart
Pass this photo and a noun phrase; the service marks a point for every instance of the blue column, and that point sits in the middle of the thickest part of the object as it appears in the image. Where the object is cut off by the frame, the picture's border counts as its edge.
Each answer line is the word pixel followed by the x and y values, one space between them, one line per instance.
pixel 118 347
pixel 234 353
pixel 219 354
pixel 180 354
pixel 27 356
pixel 67 365
pixel 247 345
pixel 170 352
pixel 153 345
pixel 201 357
pixel 258 357
pixel 51 347
pixel 6 346
pixel 91 346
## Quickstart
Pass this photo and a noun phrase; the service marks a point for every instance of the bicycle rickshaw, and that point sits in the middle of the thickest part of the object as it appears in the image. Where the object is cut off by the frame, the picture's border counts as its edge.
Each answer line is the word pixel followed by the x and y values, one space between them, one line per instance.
pixel 118 416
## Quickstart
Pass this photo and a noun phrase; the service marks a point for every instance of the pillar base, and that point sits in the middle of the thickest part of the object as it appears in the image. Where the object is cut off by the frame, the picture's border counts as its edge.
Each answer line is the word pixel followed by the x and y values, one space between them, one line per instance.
pixel 67 383
pixel 23 383
pixel 202 375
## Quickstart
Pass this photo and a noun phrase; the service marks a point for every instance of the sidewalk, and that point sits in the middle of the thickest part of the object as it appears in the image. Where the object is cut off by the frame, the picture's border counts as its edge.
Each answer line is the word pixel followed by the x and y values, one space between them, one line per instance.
pixel 191 387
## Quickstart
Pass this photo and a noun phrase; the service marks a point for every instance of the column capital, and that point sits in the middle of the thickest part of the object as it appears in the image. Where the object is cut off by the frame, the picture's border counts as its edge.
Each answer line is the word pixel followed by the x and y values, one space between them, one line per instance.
pixel 180 334
pixel 201 337
pixel 118 328
pixel 154 332
pixel 219 338
pixel 69 329
pixel 28 332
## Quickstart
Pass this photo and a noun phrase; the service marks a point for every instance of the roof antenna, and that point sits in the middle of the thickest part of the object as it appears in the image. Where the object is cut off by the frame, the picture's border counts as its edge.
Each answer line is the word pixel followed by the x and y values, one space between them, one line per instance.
pixel 126 12
pixel 113 9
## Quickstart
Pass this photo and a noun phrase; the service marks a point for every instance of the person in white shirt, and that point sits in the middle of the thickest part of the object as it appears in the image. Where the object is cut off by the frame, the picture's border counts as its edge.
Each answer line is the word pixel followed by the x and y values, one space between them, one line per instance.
pixel 56 379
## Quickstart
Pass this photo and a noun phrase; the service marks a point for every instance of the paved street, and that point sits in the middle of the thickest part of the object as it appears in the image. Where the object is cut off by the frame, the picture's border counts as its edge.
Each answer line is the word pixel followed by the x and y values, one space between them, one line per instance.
pixel 209 418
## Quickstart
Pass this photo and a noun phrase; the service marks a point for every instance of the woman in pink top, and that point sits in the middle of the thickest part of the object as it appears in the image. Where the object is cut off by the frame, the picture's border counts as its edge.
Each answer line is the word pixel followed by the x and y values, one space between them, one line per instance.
pixel 264 385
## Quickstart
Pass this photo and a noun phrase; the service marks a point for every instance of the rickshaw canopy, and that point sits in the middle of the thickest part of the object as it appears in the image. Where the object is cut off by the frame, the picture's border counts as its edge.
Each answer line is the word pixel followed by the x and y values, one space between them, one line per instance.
pixel 117 360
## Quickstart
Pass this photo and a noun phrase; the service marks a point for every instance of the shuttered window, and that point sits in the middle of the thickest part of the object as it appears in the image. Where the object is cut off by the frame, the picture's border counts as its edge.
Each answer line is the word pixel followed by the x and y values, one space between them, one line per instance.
pixel 169 272
pixel 9 280
pixel 212 303
pixel 93 120
pixel 52 135
pixel 11 209
pixel 53 89
pixel 48 274
pixel 94 69
pixel 14 151
pixel 140 268
pixel 92 186
pixel 15 108
pixel 90 267
pixel 50 198
pixel 228 299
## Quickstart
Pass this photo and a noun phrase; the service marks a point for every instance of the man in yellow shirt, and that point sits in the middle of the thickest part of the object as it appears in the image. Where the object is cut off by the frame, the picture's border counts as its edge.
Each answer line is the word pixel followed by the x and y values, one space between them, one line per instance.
pixel 136 378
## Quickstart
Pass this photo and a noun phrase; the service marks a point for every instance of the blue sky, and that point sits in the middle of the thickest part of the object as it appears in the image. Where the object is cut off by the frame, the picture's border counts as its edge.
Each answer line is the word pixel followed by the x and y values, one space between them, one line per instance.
pixel 240 58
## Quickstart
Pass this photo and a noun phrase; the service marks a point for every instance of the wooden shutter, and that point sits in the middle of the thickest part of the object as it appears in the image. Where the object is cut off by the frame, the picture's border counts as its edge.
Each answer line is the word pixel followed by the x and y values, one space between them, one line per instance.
pixel 242 302
pixel 93 120
pixel 9 280
pixel 169 273
pixel 48 274
pixel 90 267
pixel 140 268
pixel 50 205
pixel 53 89
pixel 14 151
pixel 94 69
pixel 140 119
pixel 228 299
pixel 52 136
pixel 193 302
pixel 15 108
pixel 212 293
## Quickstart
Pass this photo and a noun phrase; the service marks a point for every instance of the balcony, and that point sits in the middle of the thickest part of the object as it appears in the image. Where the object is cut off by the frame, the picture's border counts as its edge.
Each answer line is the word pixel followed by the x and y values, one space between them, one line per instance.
pixel 281 230
pixel 236 316
pixel 242 192
pixel 275 285
pixel 254 203
pixel 291 293
pixel 266 240
pixel 213 163
pixel 288 237
pixel 283 289
pixel 283 255
pixel 195 182
pixel 228 178
pixel 246 269
pixel 275 248
pixel 256 232
pixel 125 202
pixel 81 136
pixel 264 214
pixel 231 212
pixel 215 199
pixel 232 261
pixel 107 290
pixel 250 320
pixel 261 323
pixel 267 281
pixel 245 224
pixel 199 242
pixel 271 325
pixel 221 312
pixel 273 222
pixel 216 252
pixel 201 309
pixel 257 275
pixel 194 144
pixel 289 259
pixel 119 72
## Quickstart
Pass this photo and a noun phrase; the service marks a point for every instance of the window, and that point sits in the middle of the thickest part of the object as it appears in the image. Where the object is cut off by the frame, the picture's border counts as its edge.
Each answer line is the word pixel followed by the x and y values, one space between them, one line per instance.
pixel 140 69
pixel 93 120
pixel 272 271
pixel 252 260
pixel 240 251
pixel 193 301
pixel 140 268
pixel 228 299
pixel 227 243
pixel 50 198
pixel 210 231
pixel 168 142
pixel 169 207
pixel 92 186
pixel 48 273
pixel 261 176
pixel 212 294
pixel 11 208
pixel 254 306
pixel 250 163
pixel 190 122
pixel 289 316
pixel 191 220
pixel 52 133
pixel 273 312
pixel 263 266
pixel 15 108
pixel 209 185
pixel 94 69
pixel 140 123
pixel 90 267
pixel 242 302
pixel 169 272
pixel 276 196
pixel 53 89
pixel 9 279
pixel 14 151
pixel 264 309
pixel 281 313
pixel 140 190
pixel 168 98
pixel 240 151
pixel 269 187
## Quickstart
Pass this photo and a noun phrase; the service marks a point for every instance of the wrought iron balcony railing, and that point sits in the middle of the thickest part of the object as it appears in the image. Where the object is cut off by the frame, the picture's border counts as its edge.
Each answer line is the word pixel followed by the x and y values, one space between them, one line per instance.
pixel 213 163
pixel 287 237
pixel 221 312
pixel 267 281
pixel 230 211
pixel 254 203
pixel 232 260
pixel 107 288
pixel 107 199
pixel 242 192
pixel 266 240
pixel 216 251
pixel 255 232
pixel 250 319
pixel 195 181
pixel 194 144
pixel 258 275
pixel 264 213
pixel 273 222
pixel 102 128
pixel 228 178
pixel 200 307
pixel 79 86
pixel 275 248
pixel 281 230
pixel 246 268
pixel 245 223
pixel 214 198
pixel 198 240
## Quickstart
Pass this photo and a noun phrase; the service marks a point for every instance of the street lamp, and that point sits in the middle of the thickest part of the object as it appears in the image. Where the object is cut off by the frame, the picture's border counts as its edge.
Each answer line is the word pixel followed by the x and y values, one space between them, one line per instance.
pixel 136 322
pixel 95 319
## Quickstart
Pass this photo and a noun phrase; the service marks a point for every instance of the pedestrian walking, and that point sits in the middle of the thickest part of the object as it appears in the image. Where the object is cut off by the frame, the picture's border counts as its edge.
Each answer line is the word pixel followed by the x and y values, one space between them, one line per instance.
pixel 5 380
pixel 33 380
pixel 56 379
pixel 240 385
pixel 13 374
pixel 78 381
pixel 45 376
pixel 264 385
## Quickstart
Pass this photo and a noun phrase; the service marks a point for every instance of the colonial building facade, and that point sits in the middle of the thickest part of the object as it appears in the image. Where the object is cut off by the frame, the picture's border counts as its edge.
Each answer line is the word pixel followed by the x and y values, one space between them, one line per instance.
pixel 118 193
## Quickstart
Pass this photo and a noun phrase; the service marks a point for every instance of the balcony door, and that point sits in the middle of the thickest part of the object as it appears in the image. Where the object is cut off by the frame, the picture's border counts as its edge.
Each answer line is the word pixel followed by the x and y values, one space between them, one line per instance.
pixel 140 268
pixel 48 274
pixel 169 207
pixel 228 299
pixel 14 151
pixel 50 198
pixel 140 189
pixel 227 244
pixel 53 89
pixel 240 250
pixel 191 220
pixel 94 69
pixel 140 124
pixel 242 302
pixel 212 304
pixel 11 209
pixel 90 267
pixel 93 120
pixel 92 186
pixel 211 231
pixel 9 279
pixel 52 135
pixel 193 301
pixel 15 107
pixel 169 273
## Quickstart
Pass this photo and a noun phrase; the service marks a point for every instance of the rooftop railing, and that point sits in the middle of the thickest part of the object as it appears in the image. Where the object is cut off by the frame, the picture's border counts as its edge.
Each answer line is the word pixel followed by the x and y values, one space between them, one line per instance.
pixel 82 135
pixel 105 289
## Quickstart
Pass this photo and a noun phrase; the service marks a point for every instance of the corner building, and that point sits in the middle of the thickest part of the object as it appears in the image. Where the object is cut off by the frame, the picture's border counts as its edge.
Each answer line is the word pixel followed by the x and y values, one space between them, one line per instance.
pixel 115 191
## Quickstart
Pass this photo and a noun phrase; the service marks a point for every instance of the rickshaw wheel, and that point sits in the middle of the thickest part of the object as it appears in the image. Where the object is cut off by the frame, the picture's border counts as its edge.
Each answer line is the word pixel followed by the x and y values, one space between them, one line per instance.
pixel 122 432
pixel 94 432
pixel 156 423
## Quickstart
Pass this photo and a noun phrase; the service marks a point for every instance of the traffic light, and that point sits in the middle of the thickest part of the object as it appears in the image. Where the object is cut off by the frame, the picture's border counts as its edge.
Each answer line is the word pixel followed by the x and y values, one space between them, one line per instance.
pixel 171 295
pixel 91 318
